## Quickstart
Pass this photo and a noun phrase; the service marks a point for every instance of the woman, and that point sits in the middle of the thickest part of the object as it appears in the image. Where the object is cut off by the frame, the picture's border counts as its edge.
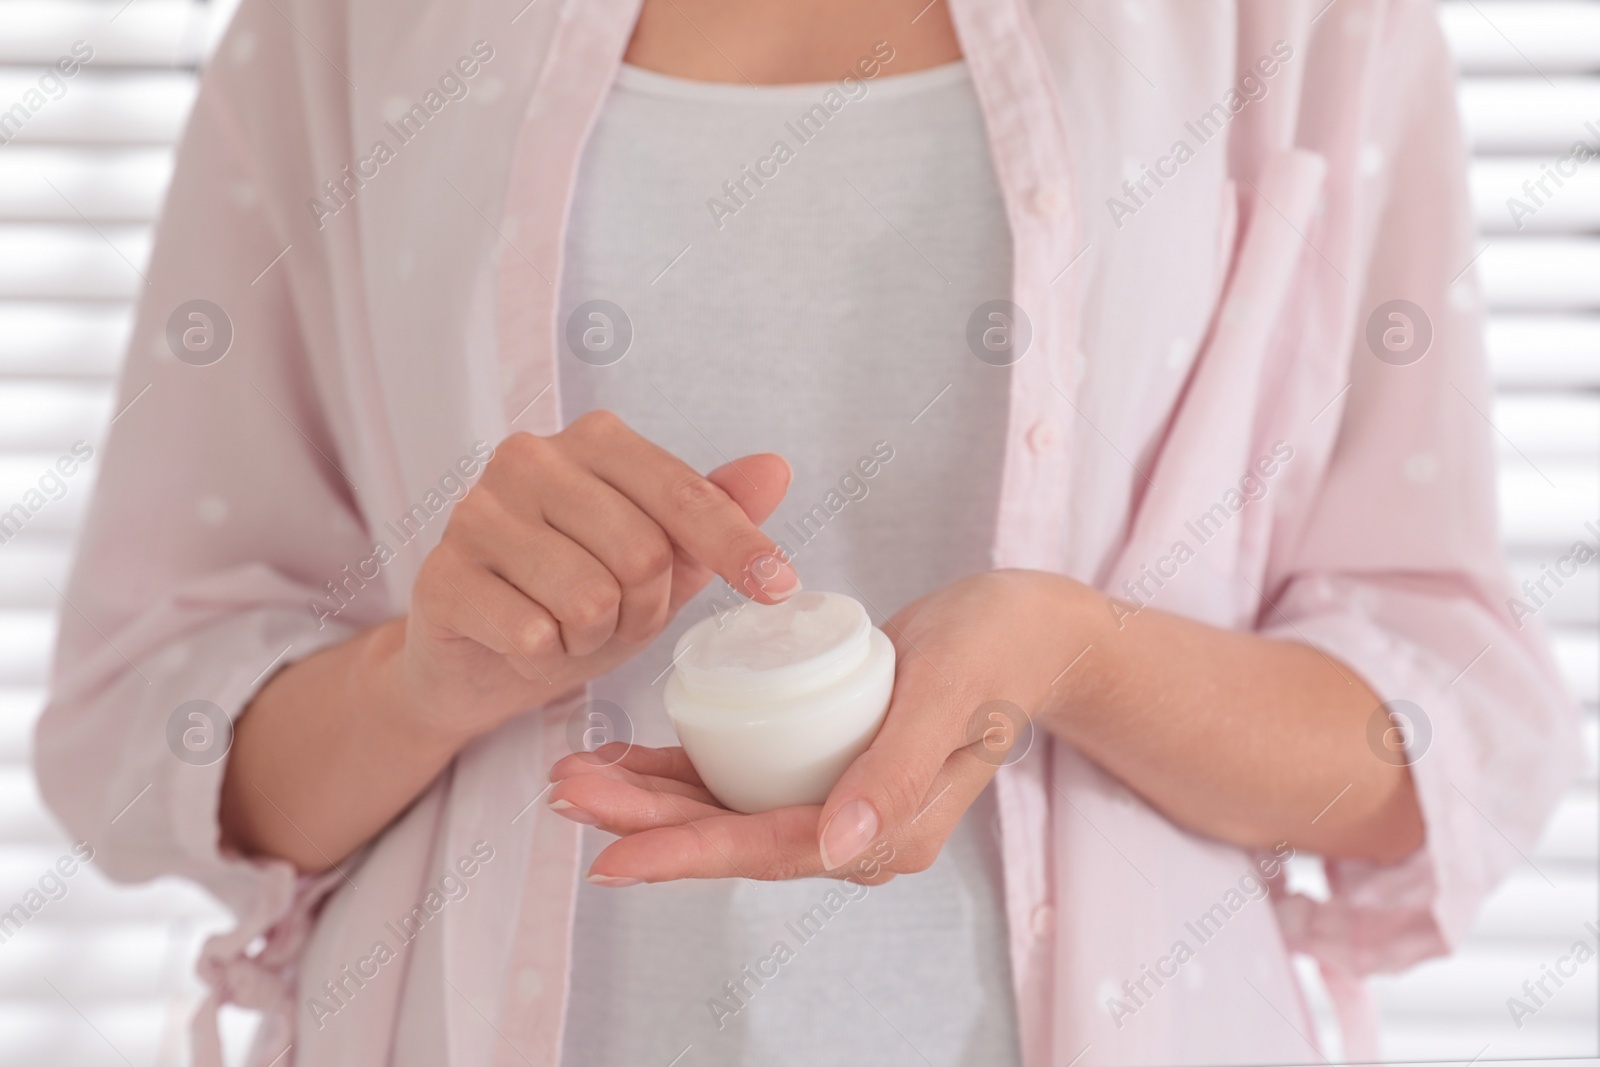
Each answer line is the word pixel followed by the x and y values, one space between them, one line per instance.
pixel 1155 329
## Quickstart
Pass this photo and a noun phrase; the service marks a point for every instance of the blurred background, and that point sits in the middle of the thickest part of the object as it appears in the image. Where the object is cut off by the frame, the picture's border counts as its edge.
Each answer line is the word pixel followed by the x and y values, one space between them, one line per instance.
pixel 104 975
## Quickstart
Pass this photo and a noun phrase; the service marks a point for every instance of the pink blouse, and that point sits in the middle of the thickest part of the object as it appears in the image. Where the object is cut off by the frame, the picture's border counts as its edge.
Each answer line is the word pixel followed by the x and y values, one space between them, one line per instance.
pixel 1214 209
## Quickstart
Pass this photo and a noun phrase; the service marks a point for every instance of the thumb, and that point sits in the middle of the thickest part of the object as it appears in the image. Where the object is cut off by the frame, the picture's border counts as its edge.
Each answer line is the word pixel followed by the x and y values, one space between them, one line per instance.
pixel 888 785
pixel 757 483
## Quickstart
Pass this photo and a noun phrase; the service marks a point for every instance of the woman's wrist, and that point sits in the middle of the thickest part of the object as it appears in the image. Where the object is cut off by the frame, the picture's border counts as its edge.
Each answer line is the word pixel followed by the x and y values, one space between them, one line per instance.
pixel 396 703
pixel 1070 632
pixel 341 716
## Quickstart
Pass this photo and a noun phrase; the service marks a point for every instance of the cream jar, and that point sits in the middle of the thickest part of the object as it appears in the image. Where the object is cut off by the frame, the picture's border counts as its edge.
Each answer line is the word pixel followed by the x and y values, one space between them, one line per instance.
pixel 772 703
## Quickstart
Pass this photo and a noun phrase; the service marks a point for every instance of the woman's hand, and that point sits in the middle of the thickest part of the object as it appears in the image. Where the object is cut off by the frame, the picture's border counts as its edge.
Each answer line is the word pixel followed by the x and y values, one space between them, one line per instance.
pixel 974 663
pixel 1244 738
pixel 567 557
pixel 569 554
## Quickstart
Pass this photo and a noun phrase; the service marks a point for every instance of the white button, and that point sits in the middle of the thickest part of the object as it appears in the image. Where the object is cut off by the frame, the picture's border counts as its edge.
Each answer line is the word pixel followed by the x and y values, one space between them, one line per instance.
pixel 244 47
pixel 1043 435
pixel 1046 200
pixel 395 108
pixel 1422 468
pixel 1044 921
pixel 1178 352
pixel 213 510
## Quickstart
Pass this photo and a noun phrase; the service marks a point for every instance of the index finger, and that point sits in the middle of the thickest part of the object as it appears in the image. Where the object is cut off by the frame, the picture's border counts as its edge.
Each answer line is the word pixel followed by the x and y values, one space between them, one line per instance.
pixel 697 514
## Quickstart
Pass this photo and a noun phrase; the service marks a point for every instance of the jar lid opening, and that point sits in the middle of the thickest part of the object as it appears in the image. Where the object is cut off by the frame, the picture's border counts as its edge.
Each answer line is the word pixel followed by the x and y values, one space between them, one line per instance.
pixel 806 642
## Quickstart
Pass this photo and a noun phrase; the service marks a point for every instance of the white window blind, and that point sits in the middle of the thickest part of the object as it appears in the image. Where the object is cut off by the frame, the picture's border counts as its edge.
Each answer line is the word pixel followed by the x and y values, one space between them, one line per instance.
pixel 103 975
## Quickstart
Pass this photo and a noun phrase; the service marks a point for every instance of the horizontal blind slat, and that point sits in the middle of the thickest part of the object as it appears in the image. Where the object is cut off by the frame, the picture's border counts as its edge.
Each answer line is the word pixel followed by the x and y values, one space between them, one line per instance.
pixel 1529 114
pixel 46 415
pixel 72 262
pixel 147 33
pixel 1545 351
pixel 102 108
pixel 1529 194
pixel 1523 36
pixel 41 183
pixel 63 340
pixel 1541 273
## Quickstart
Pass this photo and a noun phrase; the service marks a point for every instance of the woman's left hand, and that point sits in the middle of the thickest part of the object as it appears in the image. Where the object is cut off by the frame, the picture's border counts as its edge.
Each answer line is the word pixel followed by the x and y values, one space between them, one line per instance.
pixel 975 663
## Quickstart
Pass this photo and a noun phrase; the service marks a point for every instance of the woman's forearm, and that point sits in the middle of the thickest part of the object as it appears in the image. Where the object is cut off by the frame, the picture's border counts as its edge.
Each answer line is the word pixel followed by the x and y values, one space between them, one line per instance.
pixel 1251 740
pixel 327 755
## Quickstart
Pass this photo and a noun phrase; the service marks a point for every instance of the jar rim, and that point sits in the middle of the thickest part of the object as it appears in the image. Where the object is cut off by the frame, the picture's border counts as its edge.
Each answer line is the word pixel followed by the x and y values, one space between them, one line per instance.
pixel 819 668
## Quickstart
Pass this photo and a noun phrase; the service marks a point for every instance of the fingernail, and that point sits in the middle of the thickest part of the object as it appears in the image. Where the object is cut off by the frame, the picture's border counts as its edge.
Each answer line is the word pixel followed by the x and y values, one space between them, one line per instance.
pixel 571 811
pixel 850 831
pixel 610 881
pixel 774 576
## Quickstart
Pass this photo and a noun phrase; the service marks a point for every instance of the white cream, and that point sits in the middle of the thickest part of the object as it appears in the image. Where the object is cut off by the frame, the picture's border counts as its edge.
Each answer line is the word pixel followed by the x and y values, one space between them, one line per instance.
pixel 773 703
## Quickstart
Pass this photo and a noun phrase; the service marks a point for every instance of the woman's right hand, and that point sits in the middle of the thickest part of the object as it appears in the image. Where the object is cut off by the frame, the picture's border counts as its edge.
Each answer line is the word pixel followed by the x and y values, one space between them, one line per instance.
pixel 569 555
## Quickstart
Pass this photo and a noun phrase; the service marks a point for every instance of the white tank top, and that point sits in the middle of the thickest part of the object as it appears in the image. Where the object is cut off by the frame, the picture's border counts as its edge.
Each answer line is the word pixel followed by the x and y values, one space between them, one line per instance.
pixel 726 295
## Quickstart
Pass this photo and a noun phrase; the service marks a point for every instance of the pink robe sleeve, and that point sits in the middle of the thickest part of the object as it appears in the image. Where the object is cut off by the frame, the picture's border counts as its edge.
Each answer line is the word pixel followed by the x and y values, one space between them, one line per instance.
pixel 1397 568
pixel 223 508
